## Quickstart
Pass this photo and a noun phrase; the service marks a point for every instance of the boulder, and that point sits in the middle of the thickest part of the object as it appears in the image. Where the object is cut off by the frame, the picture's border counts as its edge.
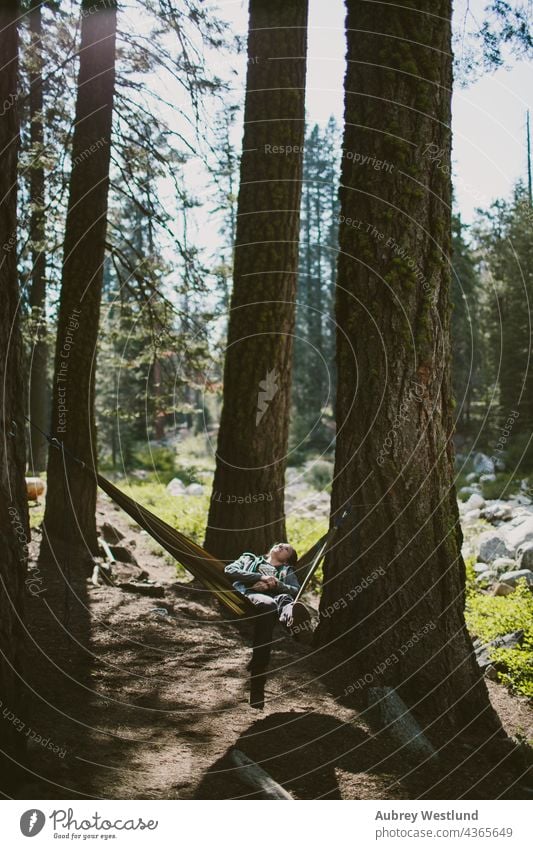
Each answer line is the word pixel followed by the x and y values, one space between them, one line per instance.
pixel 194 489
pixel 520 534
pixel 475 502
pixel 508 641
pixel 498 510
pixel 123 554
pixel 471 477
pixel 487 478
pixel 502 589
pixel 525 556
pixel 176 487
pixel 483 465
pixel 469 490
pixel 140 474
pixel 511 578
pixel 480 567
pixel 488 575
pixel 472 516
pixel 503 564
pixel 493 545
pixel 111 534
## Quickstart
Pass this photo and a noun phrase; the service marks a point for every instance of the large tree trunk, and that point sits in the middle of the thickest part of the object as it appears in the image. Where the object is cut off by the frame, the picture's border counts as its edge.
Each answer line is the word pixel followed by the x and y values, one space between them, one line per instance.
pixel 394 590
pixel 14 532
pixel 38 384
pixel 71 499
pixel 247 509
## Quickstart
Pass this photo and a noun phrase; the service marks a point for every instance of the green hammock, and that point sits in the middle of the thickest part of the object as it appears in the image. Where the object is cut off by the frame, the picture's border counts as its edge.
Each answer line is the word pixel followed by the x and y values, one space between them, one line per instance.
pixel 202 565
pixel 206 568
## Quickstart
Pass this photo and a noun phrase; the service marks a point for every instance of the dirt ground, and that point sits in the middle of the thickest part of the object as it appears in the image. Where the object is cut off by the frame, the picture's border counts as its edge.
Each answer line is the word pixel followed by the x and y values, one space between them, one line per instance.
pixel 147 697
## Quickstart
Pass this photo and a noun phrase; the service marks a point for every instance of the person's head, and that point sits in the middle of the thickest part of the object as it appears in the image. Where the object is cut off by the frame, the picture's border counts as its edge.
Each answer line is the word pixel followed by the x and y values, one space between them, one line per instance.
pixel 284 553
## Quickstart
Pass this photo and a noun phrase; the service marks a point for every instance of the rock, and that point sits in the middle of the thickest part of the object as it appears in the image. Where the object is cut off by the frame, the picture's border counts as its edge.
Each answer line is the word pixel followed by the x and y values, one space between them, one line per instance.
pixel 475 502
pixel 111 534
pixel 512 578
pixel 483 465
pixel 480 567
pixel 493 545
pixel 508 641
pixel 176 487
pixel 520 534
pixel 525 556
pixel 141 474
pixel 502 589
pixel 469 490
pixel 524 500
pixel 503 564
pixel 487 478
pixel 194 489
pixel 123 554
pixel 471 477
pixel 499 464
pixel 472 516
pixel 150 590
pixel 491 672
pixel 498 510
pixel 488 575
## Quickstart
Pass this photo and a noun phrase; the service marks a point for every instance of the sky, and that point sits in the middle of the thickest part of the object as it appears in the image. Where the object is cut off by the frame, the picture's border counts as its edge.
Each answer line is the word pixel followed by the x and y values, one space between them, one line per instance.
pixel 488 116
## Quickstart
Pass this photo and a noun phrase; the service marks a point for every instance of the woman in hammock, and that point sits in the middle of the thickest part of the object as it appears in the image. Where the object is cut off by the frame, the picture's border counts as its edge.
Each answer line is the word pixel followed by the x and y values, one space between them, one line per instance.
pixel 270 583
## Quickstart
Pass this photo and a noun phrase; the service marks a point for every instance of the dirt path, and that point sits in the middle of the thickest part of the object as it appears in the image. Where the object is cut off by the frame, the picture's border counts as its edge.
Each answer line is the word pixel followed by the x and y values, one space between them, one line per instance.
pixel 146 697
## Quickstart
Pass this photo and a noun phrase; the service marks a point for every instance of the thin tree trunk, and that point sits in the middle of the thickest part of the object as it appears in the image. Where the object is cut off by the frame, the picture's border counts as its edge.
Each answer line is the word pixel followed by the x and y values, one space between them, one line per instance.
pixel 39 390
pixel 397 577
pixel 14 531
pixel 71 499
pixel 247 509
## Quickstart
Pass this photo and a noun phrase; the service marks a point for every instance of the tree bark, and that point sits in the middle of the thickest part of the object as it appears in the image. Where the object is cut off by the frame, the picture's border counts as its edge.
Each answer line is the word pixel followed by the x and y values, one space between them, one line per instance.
pixel 14 530
pixel 247 506
pixel 396 576
pixel 39 390
pixel 71 500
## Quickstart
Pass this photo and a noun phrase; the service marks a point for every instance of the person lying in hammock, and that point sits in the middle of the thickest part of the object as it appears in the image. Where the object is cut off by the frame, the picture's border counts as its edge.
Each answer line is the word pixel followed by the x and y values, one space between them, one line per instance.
pixel 270 583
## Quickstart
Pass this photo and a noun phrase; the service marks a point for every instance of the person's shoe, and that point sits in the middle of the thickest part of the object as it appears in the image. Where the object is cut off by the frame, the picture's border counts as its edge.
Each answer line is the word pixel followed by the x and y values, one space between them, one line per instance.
pixel 257 690
pixel 300 621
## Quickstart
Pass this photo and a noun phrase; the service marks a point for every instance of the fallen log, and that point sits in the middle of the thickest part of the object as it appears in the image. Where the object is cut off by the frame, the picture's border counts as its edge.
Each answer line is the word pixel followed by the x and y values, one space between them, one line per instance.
pixel 255 776
pixel 34 488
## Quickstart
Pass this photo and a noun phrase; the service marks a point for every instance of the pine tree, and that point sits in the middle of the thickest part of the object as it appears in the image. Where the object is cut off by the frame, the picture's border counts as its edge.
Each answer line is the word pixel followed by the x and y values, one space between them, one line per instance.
pixel 71 496
pixel 394 456
pixel 247 507
pixel 14 528
pixel 314 354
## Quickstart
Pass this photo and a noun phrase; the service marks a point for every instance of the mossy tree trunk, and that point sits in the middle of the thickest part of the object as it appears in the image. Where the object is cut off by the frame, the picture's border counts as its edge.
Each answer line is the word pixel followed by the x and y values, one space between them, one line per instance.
pixel 247 509
pixel 394 584
pixel 71 498
pixel 14 532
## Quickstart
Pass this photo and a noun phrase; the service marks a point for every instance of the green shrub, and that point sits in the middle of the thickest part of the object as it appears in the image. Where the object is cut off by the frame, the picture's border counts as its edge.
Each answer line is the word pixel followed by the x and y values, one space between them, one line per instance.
pixel 489 617
pixel 319 475
pixel 159 458
pixel 504 486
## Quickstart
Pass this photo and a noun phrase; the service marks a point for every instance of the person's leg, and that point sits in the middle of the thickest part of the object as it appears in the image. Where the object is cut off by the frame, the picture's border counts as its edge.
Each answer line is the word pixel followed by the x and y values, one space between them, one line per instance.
pixel 293 615
pixel 264 623
pixel 267 614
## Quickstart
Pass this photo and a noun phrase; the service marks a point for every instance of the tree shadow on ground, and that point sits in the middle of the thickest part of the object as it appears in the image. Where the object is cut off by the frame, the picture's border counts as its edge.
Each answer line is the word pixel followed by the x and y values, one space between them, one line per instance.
pixel 304 752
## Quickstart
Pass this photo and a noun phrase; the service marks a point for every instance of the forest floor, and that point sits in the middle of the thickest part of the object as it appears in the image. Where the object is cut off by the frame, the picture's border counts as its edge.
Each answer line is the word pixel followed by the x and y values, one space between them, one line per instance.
pixel 145 698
